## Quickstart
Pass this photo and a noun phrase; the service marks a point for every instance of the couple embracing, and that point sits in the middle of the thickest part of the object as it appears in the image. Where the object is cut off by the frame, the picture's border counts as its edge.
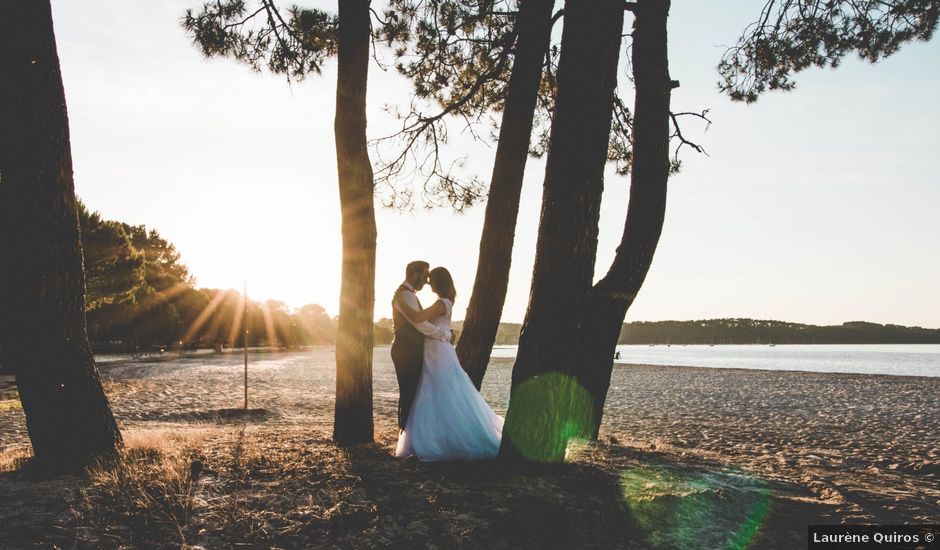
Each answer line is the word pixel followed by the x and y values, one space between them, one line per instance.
pixel 441 414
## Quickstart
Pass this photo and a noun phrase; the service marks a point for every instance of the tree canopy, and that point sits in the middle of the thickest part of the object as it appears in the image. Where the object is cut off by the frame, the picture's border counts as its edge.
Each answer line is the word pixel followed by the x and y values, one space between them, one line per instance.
pixel 457 54
pixel 793 35
pixel 114 268
pixel 294 43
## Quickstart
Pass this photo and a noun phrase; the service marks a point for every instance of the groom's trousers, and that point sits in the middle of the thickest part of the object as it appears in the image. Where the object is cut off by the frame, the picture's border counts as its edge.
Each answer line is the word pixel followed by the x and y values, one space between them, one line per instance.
pixel 408 359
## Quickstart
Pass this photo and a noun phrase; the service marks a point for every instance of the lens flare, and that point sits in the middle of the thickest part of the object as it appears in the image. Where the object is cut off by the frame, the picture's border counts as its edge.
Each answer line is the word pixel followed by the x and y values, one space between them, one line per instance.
pixel 696 510
pixel 547 412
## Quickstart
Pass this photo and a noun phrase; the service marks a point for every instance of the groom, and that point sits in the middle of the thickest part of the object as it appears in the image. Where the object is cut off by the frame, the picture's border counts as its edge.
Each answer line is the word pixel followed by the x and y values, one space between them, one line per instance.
pixel 408 345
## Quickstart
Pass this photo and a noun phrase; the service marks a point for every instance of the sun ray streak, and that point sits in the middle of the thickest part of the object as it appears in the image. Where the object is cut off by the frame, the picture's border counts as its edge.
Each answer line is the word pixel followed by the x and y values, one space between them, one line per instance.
pixel 203 317
pixel 237 325
pixel 269 325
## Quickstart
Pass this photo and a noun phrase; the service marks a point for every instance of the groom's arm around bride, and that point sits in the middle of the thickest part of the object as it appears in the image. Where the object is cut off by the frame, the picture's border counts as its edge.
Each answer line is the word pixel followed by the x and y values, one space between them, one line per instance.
pixel 406 302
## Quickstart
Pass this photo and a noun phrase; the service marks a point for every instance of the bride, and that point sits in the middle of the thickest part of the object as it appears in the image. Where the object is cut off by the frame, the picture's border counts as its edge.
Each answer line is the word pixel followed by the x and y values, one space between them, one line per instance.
pixel 449 419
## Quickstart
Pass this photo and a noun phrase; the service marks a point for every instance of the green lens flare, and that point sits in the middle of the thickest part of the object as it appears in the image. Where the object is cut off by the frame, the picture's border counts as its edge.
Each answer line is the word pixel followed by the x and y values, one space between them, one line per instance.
pixel 696 510
pixel 547 412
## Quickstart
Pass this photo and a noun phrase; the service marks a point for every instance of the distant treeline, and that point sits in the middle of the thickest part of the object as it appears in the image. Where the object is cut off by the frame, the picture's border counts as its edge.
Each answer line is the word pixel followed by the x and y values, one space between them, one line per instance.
pixel 756 331
pixel 506 335
pixel 139 296
pixel 751 331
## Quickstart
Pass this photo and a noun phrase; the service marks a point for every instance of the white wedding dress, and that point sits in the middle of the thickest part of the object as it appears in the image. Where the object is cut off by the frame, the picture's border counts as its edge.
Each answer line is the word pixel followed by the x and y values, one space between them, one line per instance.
pixel 449 419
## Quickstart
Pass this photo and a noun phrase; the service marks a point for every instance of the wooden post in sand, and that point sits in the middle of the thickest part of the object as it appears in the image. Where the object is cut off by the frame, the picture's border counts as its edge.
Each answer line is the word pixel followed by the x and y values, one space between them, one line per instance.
pixel 245 338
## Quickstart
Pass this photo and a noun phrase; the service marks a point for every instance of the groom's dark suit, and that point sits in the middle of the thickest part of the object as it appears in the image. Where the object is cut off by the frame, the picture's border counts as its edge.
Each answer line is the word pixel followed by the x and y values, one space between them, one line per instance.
pixel 408 356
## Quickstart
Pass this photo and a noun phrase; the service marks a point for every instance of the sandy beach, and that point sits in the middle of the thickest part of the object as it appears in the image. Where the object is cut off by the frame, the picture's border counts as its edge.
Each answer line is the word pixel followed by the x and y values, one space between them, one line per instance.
pixel 791 447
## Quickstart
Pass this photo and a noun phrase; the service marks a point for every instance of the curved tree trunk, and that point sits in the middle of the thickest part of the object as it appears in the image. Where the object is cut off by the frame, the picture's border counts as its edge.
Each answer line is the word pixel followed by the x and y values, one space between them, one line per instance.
pixel 534 23
pixel 353 415
pixel 538 422
pixel 42 286
pixel 613 295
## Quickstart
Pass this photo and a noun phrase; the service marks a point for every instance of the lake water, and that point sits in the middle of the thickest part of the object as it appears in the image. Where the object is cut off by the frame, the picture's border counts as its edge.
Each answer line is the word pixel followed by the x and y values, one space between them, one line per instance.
pixel 893 359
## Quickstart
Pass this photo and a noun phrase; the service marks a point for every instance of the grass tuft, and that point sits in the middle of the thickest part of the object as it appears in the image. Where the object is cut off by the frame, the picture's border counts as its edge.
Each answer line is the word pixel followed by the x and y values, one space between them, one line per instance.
pixel 146 494
pixel 10 399
pixel 14 458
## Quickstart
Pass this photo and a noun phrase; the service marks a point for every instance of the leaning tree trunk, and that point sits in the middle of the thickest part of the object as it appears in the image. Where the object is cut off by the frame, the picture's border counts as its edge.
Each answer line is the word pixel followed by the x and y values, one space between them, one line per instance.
pixel 539 422
pixel 42 286
pixel 613 295
pixel 353 417
pixel 534 23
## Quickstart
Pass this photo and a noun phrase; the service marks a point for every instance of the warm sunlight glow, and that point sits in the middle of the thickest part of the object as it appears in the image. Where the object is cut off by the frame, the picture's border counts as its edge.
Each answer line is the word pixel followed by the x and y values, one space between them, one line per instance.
pixel 204 316
pixel 469 274
pixel 268 324
pixel 236 325
pixel 260 233
pixel 241 178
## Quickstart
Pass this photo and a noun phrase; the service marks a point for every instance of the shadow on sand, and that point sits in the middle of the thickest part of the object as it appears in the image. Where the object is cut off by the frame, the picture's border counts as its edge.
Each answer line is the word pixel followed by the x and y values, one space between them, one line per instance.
pixel 268 486
pixel 626 499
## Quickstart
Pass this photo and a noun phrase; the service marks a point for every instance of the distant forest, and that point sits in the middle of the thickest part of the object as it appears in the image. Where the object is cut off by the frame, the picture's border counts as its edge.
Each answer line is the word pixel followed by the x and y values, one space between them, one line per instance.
pixel 140 297
pixel 756 331
pixel 752 331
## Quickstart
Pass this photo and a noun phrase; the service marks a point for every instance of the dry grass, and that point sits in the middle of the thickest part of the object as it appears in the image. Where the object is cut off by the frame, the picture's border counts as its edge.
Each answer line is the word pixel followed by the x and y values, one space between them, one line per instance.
pixel 146 494
pixel 13 459
pixel 10 404
pixel 268 486
pixel 10 399
pixel 164 440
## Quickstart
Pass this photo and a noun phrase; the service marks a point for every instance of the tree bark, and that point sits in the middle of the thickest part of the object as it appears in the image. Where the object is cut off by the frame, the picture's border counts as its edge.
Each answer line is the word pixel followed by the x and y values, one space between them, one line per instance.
pixel 534 23
pixel 539 420
pixel 613 295
pixel 42 286
pixel 353 414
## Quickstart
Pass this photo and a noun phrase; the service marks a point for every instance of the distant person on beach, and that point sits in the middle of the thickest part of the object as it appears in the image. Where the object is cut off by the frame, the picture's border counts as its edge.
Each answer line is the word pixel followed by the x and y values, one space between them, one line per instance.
pixel 448 419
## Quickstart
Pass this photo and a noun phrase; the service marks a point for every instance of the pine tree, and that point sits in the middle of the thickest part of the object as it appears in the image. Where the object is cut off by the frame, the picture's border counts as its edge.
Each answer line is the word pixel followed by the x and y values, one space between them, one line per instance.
pixel 42 285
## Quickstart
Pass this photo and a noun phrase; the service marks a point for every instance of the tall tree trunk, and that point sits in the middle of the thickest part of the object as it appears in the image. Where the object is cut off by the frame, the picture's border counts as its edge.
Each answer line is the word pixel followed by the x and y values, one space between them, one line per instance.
pixel 538 422
pixel 42 286
pixel 613 295
pixel 534 23
pixel 353 416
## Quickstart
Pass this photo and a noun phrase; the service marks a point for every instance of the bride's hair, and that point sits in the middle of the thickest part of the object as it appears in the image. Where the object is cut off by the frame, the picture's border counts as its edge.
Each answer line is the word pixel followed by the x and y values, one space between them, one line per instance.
pixel 443 283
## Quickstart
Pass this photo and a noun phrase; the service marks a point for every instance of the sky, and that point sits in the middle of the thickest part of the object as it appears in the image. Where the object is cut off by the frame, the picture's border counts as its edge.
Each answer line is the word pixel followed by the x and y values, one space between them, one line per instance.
pixel 818 206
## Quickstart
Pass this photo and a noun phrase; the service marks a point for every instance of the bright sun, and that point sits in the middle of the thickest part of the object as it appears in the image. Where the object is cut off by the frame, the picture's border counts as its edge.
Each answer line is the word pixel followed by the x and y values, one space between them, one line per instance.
pixel 285 251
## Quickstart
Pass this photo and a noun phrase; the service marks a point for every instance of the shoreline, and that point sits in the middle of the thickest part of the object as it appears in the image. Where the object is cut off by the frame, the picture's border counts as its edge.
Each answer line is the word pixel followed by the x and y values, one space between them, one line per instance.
pixel 912 377
pixel 8 381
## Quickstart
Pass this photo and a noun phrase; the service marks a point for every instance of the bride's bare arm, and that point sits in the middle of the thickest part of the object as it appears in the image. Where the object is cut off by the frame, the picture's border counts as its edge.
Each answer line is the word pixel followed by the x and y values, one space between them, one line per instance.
pixel 424 327
pixel 414 316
